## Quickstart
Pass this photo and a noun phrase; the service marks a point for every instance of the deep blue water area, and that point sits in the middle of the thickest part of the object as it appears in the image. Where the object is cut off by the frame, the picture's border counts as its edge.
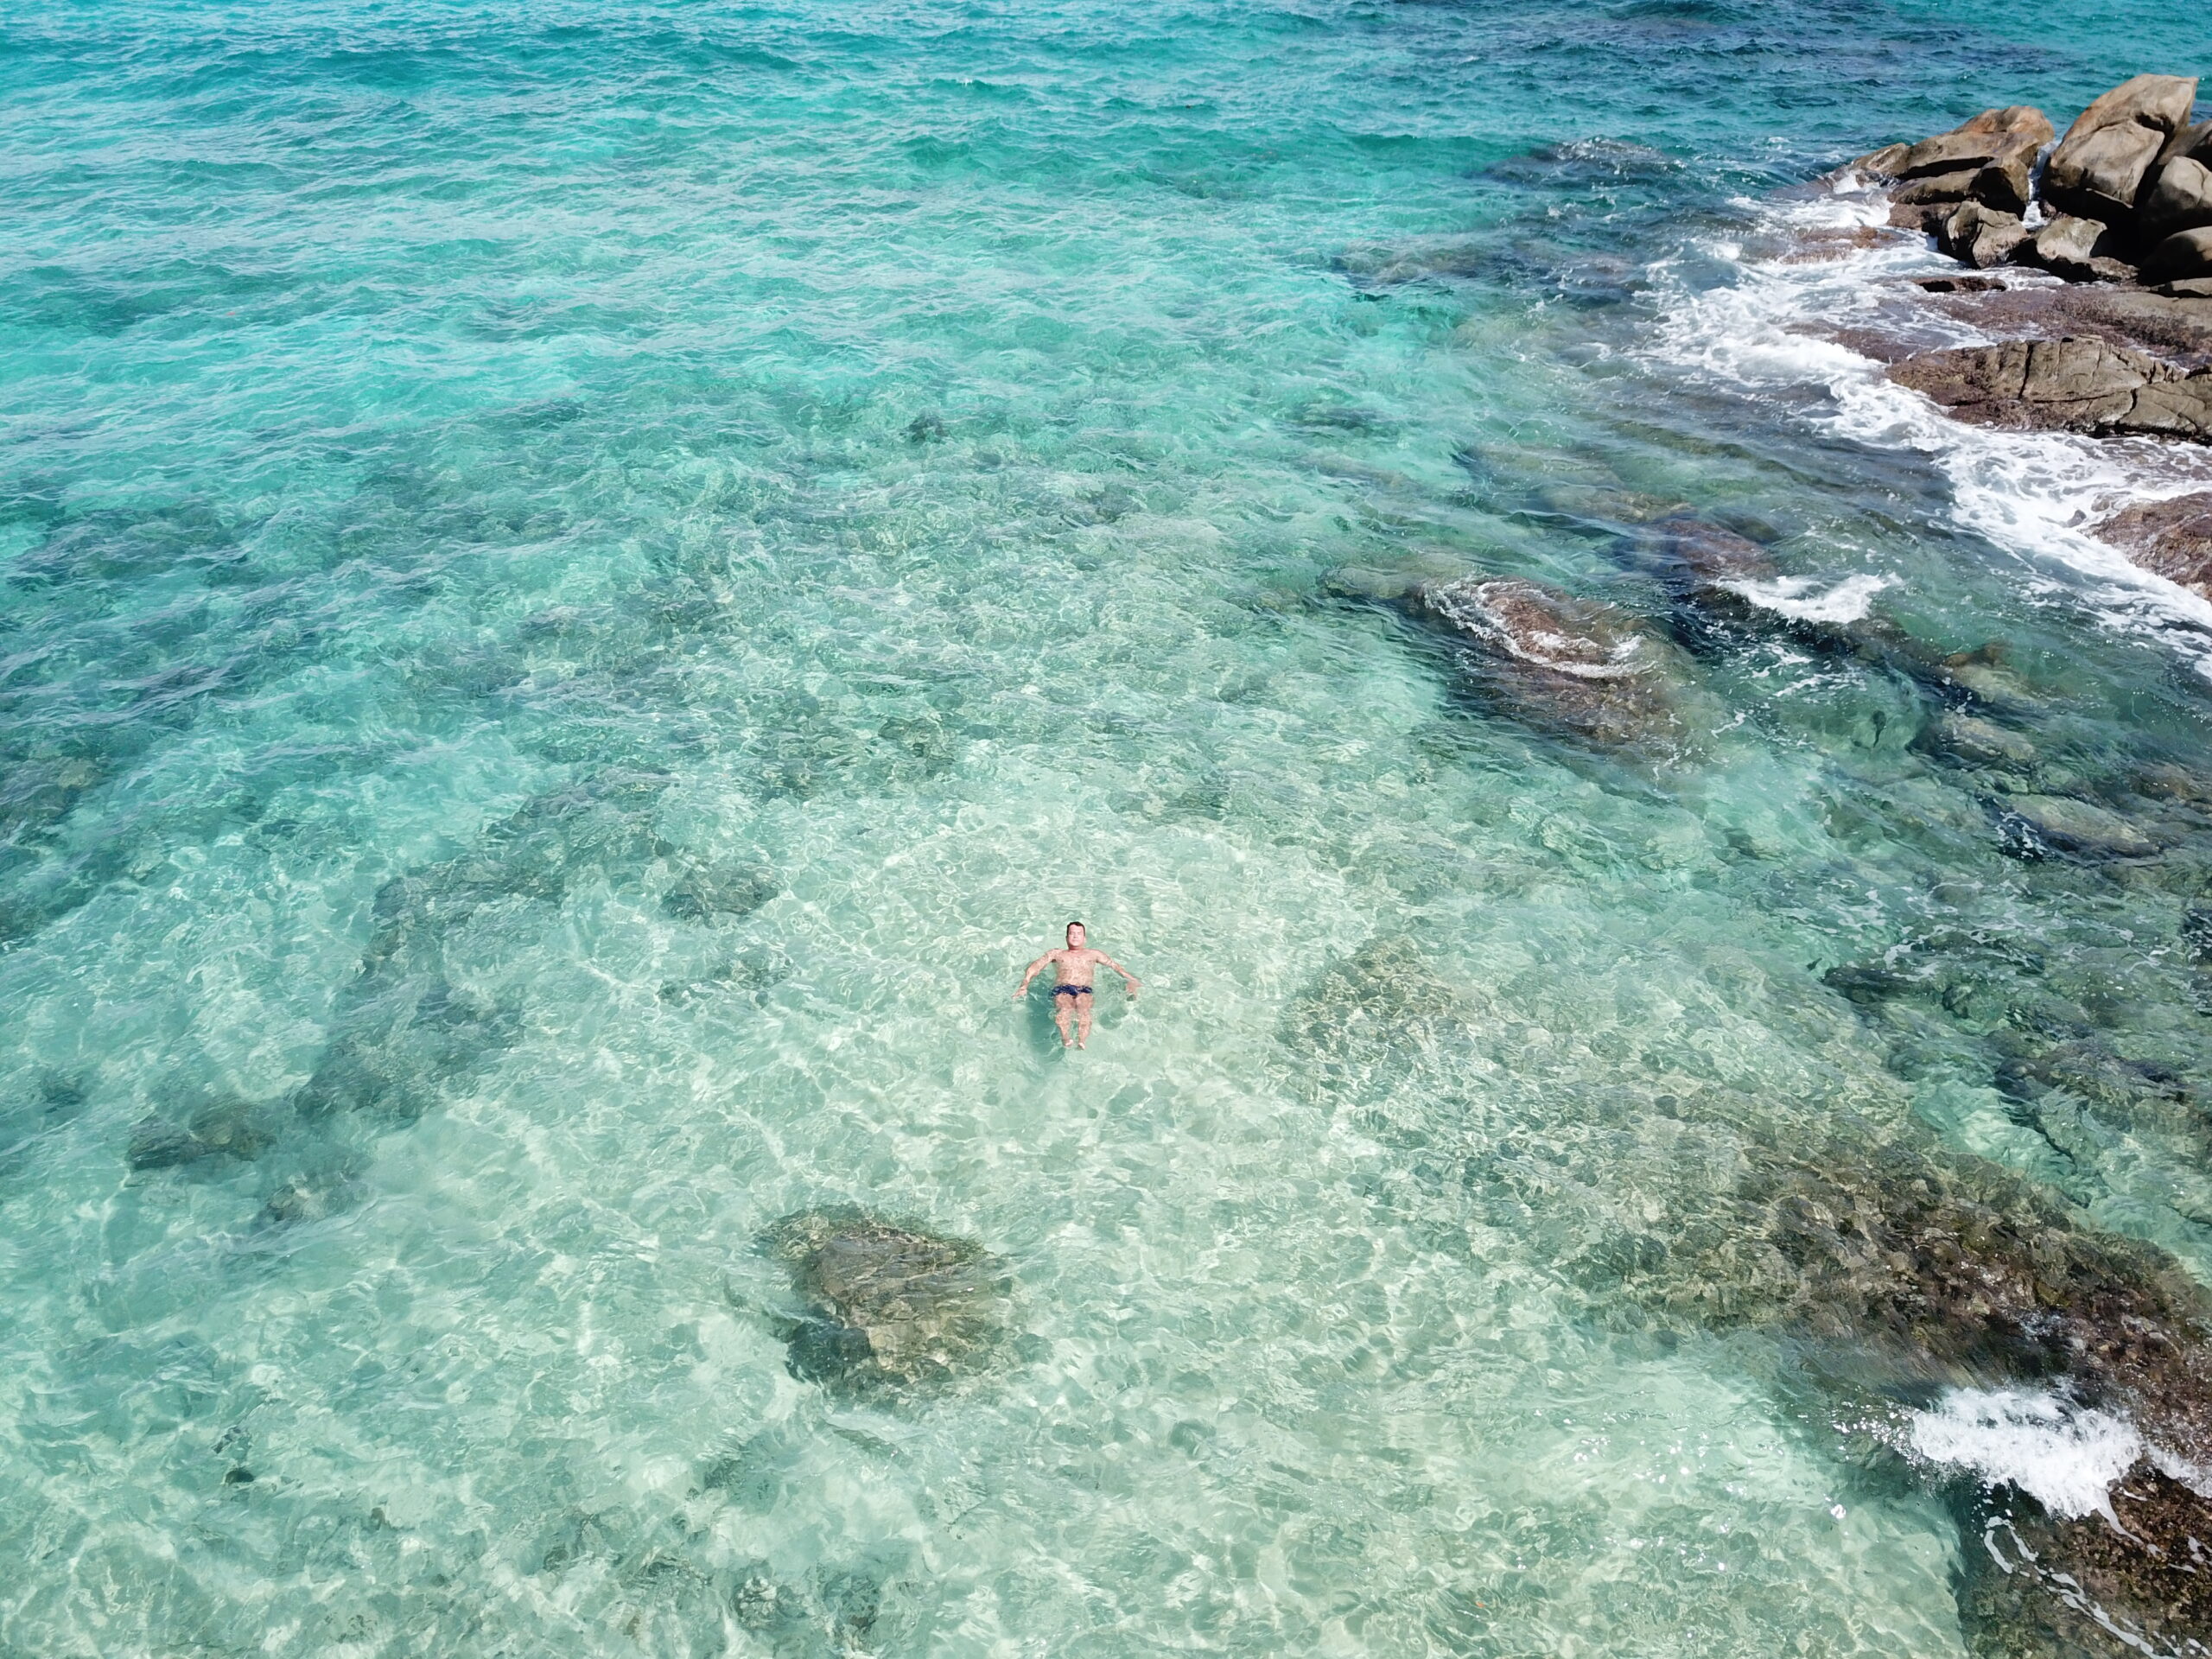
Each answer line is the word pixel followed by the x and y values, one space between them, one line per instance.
pixel 580 587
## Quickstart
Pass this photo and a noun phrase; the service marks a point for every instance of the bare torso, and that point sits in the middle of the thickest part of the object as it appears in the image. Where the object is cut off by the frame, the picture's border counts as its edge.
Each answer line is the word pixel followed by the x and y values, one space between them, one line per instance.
pixel 1077 968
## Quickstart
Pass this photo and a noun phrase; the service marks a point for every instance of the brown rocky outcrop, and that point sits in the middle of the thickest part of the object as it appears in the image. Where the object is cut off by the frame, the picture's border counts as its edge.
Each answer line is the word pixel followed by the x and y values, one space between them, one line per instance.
pixel 1987 158
pixel 2172 538
pixel 2080 249
pixel 2180 200
pixel 2071 385
pixel 1980 235
pixel 2176 331
pixel 2129 177
pixel 2183 255
pixel 1978 139
pixel 2098 169
pixel 2194 142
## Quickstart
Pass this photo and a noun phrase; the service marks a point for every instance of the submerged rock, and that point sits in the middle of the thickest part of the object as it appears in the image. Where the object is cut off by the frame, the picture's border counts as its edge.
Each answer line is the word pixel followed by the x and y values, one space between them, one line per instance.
pixel 1573 665
pixel 533 853
pixel 222 1129
pixel 702 892
pixel 2137 1094
pixel 887 1306
pixel 156 1144
pixel 1369 1017
pixel 1977 741
pixel 330 1187
pixel 397 1051
pixel 2067 825
pixel 2135 1582
pixel 1702 563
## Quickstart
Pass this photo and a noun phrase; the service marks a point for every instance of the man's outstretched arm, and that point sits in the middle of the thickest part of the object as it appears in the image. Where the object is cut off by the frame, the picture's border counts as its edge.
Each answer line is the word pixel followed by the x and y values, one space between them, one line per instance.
pixel 1035 968
pixel 1128 978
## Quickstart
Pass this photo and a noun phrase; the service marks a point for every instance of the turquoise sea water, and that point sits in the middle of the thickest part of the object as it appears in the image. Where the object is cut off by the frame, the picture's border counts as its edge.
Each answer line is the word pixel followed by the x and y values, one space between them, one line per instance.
pixel 583 586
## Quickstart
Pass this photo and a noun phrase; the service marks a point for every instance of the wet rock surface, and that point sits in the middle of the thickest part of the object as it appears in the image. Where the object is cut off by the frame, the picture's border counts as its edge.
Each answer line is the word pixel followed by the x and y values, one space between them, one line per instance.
pixel 1575 666
pixel 2172 538
pixel 1941 1272
pixel 1978 742
pixel 2038 1584
pixel 887 1307
pixel 2177 330
pixel 2120 209
pixel 2079 385
pixel 2137 1094
pixel 1702 564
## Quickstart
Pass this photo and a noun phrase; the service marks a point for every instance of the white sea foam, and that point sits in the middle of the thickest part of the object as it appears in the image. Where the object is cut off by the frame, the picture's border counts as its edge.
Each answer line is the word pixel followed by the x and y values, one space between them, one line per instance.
pixel 2035 495
pixel 1805 599
pixel 2064 1456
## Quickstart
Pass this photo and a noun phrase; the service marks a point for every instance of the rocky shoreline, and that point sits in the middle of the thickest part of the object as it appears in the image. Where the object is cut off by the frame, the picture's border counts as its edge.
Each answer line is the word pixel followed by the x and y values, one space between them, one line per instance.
pixel 2092 252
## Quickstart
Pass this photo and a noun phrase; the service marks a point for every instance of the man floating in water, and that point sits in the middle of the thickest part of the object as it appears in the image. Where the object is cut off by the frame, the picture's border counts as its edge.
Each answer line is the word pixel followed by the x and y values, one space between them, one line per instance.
pixel 1072 997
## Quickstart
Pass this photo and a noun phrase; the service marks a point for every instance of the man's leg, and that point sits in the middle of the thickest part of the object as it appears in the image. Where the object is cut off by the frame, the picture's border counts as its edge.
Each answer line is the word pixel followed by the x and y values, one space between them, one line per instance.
pixel 1061 1015
pixel 1083 1019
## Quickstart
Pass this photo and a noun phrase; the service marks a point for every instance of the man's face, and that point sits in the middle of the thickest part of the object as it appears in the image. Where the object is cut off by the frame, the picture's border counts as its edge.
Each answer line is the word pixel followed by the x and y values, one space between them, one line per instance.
pixel 1076 937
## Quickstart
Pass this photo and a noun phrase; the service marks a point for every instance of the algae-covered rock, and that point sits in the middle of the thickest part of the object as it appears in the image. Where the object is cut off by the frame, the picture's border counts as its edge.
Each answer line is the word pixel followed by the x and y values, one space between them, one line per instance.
pixel 225 1128
pixel 2039 1586
pixel 2060 821
pixel 702 892
pixel 887 1306
pixel 1977 741
pixel 2137 1095
pixel 1369 1017
pixel 1576 666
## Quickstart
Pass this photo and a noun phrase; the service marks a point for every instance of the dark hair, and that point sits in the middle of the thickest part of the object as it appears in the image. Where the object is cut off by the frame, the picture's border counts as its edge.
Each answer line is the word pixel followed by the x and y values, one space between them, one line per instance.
pixel 1071 927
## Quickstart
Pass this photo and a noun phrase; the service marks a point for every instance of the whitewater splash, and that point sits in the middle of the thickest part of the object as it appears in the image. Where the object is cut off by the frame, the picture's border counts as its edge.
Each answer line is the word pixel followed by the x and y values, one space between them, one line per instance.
pixel 2064 1456
pixel 1776 332
pixel 1803 600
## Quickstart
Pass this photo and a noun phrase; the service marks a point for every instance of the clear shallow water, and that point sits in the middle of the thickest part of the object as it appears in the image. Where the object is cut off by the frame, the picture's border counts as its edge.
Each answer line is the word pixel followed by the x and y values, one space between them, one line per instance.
pixel 467 473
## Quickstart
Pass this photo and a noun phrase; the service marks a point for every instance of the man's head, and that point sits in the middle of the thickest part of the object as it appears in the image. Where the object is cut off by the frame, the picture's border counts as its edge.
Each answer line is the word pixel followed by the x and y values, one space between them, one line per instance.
pixel 1076 936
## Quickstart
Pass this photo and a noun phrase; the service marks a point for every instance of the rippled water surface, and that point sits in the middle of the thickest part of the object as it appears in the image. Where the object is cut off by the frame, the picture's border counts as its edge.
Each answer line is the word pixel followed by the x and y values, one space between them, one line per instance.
pixel 583 586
